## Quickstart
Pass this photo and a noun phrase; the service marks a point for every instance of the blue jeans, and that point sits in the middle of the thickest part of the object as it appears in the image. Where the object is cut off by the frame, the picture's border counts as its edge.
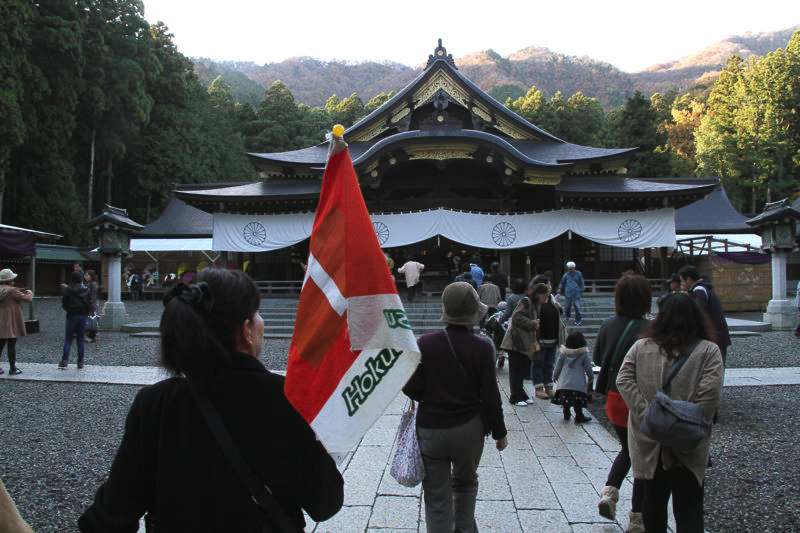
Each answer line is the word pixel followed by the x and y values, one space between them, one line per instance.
pixel 542 366
pixel 569 302
pixel 75 329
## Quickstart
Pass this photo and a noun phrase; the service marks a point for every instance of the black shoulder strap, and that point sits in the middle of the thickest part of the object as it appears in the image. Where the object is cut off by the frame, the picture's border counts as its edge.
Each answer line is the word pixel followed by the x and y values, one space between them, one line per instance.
pixel 463 370
pixel 676 367
pixel 259 492
pixel 616 360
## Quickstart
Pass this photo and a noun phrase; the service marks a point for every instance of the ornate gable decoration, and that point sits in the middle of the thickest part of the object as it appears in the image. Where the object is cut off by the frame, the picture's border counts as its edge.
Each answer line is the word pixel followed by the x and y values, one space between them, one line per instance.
pixel 442 80
pixel 440 52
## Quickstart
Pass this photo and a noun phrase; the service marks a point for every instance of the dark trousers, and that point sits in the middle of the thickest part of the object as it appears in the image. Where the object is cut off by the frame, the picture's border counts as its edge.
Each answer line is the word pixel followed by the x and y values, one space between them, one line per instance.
pixel 412 292
pixel 451 457
pixel 542 366
pixel 519 368
pixel 75 329
pixel 687 501
pixel 12 351
pixel 620 468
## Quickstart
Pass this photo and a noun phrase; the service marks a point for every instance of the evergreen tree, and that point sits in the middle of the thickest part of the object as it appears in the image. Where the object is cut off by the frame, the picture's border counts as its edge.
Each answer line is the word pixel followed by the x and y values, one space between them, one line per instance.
pixel 531 106
pixel 42 186
pixel 637 125
pixel 15 73
pixel 377 101
pixel 717 139
pixel 345 112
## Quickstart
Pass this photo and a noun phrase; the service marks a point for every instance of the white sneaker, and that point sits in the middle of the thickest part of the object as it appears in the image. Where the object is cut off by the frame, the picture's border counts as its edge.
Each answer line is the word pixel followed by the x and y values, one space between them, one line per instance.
pixel 521 404
pixel 530 401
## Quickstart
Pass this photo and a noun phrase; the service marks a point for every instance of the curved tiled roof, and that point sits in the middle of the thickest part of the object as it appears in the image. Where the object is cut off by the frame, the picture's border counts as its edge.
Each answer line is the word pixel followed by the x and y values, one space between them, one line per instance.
pixel 179 220
pixel 258 189
pixel 530 152
pixel 616 185
pixel 712 214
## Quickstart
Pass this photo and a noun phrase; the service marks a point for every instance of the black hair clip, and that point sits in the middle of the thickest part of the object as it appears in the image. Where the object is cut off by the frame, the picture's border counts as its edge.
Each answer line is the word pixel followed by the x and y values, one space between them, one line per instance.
pixel 197 295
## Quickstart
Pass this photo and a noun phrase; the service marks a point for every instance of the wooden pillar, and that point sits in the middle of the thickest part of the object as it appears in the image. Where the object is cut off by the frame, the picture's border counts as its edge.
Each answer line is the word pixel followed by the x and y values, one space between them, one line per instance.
pixel 32 287
pixel 662 258
pixel 505 264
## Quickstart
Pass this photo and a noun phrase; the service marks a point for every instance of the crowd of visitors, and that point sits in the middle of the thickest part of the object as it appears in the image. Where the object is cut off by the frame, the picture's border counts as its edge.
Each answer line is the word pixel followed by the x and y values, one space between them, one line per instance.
pixel 174 464
pixel 535 326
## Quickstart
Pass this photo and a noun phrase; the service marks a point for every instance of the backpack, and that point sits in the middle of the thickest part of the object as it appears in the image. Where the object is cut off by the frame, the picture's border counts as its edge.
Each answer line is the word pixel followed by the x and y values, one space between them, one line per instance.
pixel 676 424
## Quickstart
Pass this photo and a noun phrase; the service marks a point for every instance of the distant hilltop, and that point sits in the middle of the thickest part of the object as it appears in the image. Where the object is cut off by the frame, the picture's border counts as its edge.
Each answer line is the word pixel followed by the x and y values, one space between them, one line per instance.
pixel 312 81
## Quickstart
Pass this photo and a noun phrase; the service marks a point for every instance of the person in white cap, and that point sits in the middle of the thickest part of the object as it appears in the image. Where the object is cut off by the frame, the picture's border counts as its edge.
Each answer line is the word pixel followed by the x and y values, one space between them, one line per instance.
pixel 572 287
pixel 12 324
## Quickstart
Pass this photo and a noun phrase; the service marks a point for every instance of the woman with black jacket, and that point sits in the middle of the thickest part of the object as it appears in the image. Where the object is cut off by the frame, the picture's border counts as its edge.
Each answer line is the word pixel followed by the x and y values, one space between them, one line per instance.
pixel 75 301
pixel 632 301
pixel 169 465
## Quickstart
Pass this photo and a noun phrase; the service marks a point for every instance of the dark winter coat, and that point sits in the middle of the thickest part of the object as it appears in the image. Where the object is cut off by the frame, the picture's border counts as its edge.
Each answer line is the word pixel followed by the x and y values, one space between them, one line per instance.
pixel 703 293
pixel 75 301
pixel 607 339
pixel 170 466
pixel 452 391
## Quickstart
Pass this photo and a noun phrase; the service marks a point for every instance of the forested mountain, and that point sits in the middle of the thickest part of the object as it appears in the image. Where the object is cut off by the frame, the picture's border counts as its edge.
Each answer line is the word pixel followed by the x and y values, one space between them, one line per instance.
pixel 702 67
pixel 312 81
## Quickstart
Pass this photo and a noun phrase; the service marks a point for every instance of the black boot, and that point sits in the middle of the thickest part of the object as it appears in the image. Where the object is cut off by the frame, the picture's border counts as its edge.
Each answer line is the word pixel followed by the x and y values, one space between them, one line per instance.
pixel 565 408
pixel 581 417
pixel 80 364
pixel 63 364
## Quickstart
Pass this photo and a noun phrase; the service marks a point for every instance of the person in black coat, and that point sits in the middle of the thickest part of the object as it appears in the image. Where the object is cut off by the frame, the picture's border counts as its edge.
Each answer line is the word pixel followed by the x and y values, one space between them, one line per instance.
pixel 169 465
pixel 703 292
pixel 75 301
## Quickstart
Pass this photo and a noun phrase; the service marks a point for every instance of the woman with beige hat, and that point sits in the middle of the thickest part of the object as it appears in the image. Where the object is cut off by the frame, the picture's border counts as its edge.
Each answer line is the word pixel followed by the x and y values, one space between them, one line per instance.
pixel 459 405
pixel 12 325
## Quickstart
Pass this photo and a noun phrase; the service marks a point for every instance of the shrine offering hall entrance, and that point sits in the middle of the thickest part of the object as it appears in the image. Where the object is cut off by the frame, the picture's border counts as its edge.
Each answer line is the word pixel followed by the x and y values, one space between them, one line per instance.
pixel 443 259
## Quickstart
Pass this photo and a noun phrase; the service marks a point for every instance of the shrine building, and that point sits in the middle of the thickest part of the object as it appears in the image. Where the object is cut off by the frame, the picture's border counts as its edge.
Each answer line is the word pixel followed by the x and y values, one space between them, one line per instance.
pixel 447 170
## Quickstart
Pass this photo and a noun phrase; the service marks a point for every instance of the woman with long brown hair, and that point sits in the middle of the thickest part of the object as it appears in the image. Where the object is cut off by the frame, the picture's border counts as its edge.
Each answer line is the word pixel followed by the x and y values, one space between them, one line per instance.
pixel 681 332
pixel 632 302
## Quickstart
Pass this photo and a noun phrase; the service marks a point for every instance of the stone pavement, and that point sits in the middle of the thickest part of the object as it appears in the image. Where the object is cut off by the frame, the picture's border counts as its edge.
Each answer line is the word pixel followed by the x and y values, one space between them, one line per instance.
pixel 547 480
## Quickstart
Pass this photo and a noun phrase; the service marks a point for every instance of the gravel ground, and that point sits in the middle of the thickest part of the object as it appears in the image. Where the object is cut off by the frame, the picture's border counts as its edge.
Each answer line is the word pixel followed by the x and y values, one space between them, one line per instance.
pixel 769 350
pixel 755 480
pixel 58 441
pixel 112 348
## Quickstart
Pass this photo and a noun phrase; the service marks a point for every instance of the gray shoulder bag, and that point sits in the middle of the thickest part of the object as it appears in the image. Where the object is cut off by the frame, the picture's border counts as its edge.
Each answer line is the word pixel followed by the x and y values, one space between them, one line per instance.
pixel 676 424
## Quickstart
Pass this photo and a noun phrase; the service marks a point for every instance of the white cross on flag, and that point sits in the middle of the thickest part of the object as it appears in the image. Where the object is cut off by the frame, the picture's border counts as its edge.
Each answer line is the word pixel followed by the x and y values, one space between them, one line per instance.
pixel 353 348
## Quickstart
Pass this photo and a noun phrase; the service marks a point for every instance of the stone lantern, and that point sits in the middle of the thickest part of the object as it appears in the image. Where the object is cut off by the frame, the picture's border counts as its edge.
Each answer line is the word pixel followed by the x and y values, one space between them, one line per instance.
pixel 114 230
pixel 777 226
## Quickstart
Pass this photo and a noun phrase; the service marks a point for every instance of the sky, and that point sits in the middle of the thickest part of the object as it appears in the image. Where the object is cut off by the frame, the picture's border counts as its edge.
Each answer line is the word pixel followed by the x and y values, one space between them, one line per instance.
pixel 631 35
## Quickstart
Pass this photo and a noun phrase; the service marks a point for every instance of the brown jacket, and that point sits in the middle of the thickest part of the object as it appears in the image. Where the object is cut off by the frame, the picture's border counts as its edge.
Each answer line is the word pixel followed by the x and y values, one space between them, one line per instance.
pixel 643 371
pixel 12 325
pixel 521 335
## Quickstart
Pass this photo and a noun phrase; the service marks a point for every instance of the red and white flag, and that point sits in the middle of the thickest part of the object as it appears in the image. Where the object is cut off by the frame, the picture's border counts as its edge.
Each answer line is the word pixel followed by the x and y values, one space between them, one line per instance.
pixel 352 349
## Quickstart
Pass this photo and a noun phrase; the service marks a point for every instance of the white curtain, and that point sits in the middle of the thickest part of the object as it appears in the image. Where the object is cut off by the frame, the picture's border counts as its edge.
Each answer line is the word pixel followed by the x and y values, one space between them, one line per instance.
pixel 628 229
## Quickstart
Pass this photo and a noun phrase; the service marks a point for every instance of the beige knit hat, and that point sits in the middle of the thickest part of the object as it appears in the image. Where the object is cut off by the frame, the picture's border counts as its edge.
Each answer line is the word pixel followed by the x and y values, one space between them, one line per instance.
pixel 461 305
pixel 7 275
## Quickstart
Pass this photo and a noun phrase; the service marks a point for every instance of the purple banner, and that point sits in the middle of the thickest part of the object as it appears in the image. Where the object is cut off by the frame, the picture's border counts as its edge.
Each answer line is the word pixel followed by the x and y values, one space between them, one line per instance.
pixel 745 258
pixel 17 244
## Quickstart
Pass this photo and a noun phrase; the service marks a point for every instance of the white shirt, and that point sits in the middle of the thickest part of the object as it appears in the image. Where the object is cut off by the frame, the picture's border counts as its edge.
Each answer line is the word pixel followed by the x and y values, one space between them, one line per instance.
pixel 412 270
